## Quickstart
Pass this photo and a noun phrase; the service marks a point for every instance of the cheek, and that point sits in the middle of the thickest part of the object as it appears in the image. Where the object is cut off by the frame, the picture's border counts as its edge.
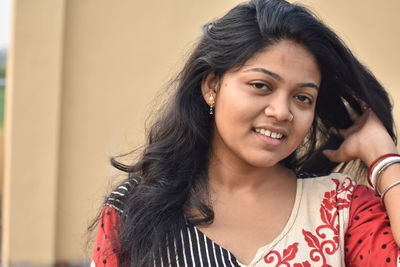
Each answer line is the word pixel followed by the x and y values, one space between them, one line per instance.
pixel 230 120
pixel 302 123
pixel 233 108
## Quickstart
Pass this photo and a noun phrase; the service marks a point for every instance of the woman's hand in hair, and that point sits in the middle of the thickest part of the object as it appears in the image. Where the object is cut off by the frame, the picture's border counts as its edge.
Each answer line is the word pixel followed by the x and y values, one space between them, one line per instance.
pixel 366 139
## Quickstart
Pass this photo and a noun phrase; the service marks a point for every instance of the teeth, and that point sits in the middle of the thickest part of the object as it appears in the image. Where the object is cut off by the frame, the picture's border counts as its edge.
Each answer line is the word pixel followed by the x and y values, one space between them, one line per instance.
pixel 269 133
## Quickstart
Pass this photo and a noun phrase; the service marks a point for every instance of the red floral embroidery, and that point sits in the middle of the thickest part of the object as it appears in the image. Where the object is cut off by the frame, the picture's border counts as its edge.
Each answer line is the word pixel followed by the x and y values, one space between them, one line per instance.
pixel 318 241
pixel 303 264
pixel 330 206
pixel 288 254
pixel 317 252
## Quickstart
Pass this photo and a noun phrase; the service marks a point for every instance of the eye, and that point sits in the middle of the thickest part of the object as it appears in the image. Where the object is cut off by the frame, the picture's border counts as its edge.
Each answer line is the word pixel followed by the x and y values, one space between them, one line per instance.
pixel 260 86
pixel 304 99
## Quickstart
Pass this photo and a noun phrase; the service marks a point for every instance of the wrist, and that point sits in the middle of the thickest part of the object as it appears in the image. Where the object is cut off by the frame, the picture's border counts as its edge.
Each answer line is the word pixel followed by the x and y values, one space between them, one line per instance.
pixel 389 176
pixel 371 156
pixel 378 166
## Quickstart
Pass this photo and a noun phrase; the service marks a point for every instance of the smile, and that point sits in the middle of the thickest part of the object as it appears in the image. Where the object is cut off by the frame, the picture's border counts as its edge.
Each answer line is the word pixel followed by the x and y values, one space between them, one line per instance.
pixel 269 133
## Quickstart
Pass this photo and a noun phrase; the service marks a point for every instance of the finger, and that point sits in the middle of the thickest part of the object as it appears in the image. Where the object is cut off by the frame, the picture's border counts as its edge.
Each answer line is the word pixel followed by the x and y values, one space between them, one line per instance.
pixel 342 132
pixel 330 154
pixel 363 118
pixel 357 125
pixel 339 132
pixel 335 155
pixel 352 113
pixel 345 133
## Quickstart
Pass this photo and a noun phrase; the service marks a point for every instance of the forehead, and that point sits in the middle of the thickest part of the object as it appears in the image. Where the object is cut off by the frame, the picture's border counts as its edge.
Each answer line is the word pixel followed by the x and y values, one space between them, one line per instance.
pixel 288 59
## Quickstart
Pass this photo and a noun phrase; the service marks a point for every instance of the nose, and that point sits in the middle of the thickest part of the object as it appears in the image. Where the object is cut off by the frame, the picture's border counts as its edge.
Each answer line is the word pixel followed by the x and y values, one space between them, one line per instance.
pixel 279 108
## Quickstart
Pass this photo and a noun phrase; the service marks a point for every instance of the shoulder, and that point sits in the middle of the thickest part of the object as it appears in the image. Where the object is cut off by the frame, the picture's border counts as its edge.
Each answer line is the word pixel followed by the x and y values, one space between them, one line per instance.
pixel 369 225
pixel 332 192
pixel 341 183
pixel 106 249
pixel 118 197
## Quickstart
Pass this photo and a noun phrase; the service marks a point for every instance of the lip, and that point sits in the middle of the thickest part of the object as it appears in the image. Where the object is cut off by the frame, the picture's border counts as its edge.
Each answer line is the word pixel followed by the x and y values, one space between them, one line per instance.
pixel 280 130
pixel 269 141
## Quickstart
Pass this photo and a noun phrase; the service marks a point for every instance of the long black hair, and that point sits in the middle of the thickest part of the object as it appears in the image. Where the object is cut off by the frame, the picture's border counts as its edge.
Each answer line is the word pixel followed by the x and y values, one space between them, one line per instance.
pixel 172 169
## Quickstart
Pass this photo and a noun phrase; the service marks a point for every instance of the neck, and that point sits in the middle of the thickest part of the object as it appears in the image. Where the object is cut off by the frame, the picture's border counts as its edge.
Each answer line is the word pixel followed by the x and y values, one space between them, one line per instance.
pixel 230 174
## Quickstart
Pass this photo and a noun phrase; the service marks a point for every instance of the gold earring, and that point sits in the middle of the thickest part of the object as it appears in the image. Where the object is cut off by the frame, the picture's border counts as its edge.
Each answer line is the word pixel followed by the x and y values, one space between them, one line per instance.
pixel 211 104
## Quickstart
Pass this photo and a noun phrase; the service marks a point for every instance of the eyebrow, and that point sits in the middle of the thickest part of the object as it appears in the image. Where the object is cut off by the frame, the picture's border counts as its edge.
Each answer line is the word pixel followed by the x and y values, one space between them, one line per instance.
pixel 279 78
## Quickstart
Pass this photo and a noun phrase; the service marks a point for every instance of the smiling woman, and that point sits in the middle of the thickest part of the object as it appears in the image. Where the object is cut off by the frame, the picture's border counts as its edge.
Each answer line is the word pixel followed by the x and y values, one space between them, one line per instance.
pixel 277 89
pixel 238 169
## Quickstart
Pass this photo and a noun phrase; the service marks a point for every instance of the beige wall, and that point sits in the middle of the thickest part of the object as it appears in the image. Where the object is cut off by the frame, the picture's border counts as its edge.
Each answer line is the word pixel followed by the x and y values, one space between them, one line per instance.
pixel 31 131
pixel 82 77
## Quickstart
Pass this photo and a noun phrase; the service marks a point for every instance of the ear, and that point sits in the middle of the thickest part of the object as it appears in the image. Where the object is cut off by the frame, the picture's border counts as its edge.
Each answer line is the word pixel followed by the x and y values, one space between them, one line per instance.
pixel 209 86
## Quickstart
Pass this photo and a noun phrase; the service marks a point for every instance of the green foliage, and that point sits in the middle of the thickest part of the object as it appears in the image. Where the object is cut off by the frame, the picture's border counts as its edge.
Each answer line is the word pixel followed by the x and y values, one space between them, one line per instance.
pixel 2 71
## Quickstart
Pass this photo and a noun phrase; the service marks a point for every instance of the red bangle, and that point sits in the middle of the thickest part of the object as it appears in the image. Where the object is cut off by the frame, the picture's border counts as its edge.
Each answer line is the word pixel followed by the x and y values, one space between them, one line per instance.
pixel 376 162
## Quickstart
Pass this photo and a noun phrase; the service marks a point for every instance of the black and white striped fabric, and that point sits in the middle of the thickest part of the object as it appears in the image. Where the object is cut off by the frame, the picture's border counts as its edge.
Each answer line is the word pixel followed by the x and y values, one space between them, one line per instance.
pixel 191 248
pixel 117 198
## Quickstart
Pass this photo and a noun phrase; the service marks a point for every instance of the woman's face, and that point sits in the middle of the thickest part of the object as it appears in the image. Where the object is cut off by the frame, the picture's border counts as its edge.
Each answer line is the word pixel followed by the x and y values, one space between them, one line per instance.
pixel 264 110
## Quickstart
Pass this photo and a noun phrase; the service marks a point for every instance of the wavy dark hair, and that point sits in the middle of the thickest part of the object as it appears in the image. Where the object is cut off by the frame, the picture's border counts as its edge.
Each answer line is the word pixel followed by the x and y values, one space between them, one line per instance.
pixel 172 168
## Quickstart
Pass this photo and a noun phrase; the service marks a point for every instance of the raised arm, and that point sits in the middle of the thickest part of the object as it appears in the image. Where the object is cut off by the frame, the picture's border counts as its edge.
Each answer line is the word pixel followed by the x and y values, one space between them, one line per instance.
pixel 368 140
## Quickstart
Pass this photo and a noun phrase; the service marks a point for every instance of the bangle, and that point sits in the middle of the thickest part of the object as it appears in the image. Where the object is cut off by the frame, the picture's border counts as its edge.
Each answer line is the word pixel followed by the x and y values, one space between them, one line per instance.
pixel 388 188
pixel 380 171
pixel 380 167
pixel 375 162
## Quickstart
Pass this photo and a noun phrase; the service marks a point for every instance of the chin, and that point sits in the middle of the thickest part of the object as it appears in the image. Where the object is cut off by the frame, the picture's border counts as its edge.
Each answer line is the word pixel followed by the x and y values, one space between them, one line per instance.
pixel 266 161
pixel 263 162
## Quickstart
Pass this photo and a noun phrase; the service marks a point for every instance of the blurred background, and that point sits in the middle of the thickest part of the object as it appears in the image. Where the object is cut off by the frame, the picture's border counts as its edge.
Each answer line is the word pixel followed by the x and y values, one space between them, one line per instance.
pixel 80 77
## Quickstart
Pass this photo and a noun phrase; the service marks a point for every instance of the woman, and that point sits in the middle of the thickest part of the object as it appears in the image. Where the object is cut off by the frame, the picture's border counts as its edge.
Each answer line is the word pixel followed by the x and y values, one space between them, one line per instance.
pixel 237 169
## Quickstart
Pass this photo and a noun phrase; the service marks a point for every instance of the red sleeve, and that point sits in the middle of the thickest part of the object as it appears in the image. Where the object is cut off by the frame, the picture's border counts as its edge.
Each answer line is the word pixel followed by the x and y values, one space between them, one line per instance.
pixel 369 240
pixel 106 247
